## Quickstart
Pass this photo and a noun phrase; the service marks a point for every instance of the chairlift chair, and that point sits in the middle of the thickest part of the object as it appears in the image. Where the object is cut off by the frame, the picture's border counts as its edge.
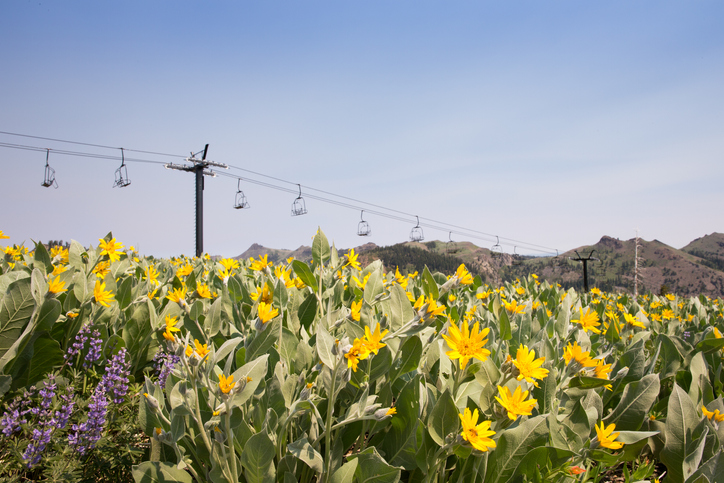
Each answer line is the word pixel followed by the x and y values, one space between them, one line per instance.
pixel 516 257
pixel 122 174
pixel 299 207
pixel 450 246
pixel 49 178
pixel 363 228
pixel 496 250
pixel 240 202
pixel 416 232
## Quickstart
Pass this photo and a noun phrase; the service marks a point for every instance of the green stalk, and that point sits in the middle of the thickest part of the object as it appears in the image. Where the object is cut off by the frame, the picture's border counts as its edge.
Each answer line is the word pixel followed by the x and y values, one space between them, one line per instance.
pixel 230 440
pixel 328 426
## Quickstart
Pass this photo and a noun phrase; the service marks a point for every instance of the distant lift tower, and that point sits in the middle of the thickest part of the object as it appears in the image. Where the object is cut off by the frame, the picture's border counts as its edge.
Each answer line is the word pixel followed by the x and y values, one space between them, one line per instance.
pixel 199 167
pixel 585 267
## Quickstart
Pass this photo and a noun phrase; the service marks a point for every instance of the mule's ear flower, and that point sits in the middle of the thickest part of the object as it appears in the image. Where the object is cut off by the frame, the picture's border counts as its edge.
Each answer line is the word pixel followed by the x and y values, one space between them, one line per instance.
pixel 102 296
pixel 606 436
pixel 466 344
pixel 478 435
pixel 112 249
pixel 515 403
pixel 56 285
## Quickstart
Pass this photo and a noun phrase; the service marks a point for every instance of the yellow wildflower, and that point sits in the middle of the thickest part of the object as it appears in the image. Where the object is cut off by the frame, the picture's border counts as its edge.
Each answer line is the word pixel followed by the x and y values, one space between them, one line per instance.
pixel 513 307
pixel 112 249
pixel 356 308
pixel 478 435
pixel 102 269
pixel 588 321
pixel 203 291
pixel 261 264
pixel 170 327
pixel 352 259
pixel 464 277
pixel 575 352
pixel 606 439
pixel 101 295
pixel 371 340
pixel 716 415
pixel 266 312
pixel 361 285
pixel 528 366
pixel 515 403
pixel 226 384
pixel 466 344
pixel 56 285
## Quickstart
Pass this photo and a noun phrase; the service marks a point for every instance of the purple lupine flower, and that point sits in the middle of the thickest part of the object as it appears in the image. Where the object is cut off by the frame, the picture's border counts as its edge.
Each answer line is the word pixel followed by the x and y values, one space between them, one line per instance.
pixel 13 417
pixel 94 353
pixel 38 441
pixel 115 379
pixel 84 436
pixel 164 363
pixel 66 407
pixel 80 339
pixel 40 436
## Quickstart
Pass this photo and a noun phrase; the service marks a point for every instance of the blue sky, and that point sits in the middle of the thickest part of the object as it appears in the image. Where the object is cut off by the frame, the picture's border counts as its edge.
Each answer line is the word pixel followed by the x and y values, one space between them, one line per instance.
pixel 550 123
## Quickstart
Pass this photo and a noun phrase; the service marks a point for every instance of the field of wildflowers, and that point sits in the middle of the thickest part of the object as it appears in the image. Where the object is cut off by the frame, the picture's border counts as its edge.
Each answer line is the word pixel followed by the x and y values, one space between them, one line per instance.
pixel 117 367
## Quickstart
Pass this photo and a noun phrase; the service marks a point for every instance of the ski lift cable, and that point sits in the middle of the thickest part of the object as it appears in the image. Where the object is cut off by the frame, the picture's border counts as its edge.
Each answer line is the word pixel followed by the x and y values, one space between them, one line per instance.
pixel 434 225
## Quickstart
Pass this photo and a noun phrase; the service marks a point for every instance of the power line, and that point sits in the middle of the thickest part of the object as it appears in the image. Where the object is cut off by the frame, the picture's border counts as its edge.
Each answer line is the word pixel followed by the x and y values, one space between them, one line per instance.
pixel 389 213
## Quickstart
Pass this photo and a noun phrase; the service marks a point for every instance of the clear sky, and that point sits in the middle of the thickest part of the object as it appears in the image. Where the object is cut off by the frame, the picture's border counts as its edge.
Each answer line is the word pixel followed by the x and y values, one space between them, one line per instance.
pixel 552 123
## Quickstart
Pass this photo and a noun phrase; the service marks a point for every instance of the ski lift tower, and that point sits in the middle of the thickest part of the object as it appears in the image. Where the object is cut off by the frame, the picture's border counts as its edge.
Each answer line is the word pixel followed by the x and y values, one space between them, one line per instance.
pixel 200 168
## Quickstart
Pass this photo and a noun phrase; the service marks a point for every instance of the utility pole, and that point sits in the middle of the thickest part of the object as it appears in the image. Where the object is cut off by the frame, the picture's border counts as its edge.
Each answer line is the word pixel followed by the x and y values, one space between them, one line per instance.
pixel 637 274
pixel 199 168
pixel 585 267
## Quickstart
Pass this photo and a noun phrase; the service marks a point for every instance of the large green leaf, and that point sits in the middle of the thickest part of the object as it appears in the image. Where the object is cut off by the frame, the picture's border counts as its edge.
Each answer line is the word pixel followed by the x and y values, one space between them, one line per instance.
pixel 303 271
pixel 681 419
pixel 373 468
pixel 444 419
pixel 256 370
pixel 304 451
pixel 15 312
pixel 320 248
pixel 636 402
pixel 257 458
pixel 308 311
pixel 46 356
pixel 373 287
pixel 408 358
pixel 512 447
pixel 159 472
pixel 541 457
pixel 401 310
pixel 345 474
pixel 400 443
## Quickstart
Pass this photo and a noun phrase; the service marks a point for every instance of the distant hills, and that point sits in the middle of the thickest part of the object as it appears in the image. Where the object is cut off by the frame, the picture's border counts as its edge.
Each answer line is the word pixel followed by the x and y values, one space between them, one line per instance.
pixel 698 268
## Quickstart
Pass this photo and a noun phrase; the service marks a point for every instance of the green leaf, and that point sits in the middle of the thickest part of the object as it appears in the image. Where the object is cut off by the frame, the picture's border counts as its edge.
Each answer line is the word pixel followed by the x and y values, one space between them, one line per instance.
pixel 401 310
pixel 373 468
pixel 256 370
pixel 49 313
pixel 512 447
pixel 585 382
pixel 159 472
pixel 257 459
pixel 505 330
pixel 213 318
pixel 408 359
pixel 42 258
pixel 308 311
pixel 303 271
pixel 81 290
pixel 635 404
pixel 38 285
pixel 373 287
pixel 47 355
pixel 541 457
pixel 444 419
pixel 429 284
pixel 380 364
pixel 708 346
pixel 264 340
pixel 681 418
pixel 325 343
pixel 125 293
pixel 15 312
pixel 304 451
pixel 400 445
pixel 320 248
pixel 345 473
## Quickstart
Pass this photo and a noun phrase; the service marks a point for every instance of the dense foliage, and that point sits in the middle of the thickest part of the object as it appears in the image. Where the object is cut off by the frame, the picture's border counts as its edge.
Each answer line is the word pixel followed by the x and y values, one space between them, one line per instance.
pixel 201 370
